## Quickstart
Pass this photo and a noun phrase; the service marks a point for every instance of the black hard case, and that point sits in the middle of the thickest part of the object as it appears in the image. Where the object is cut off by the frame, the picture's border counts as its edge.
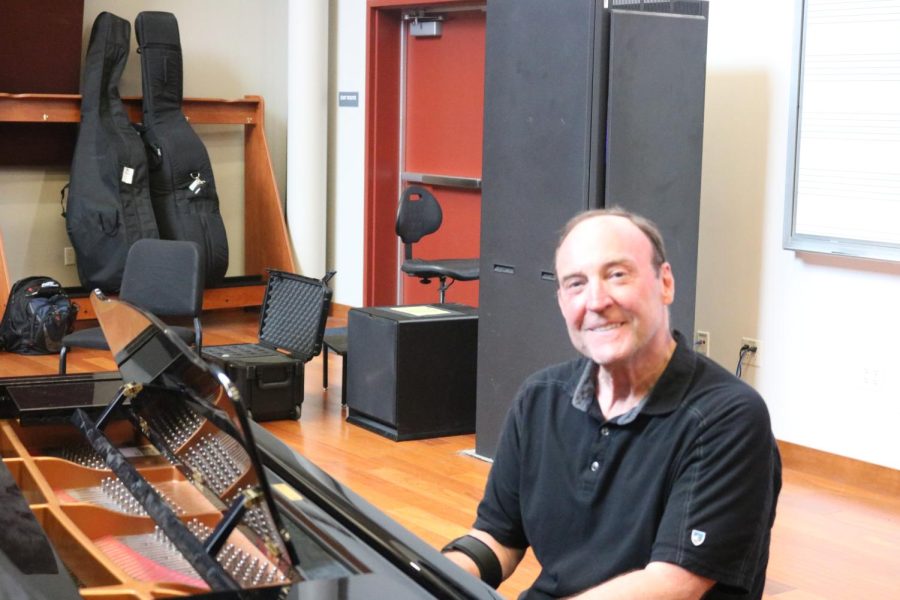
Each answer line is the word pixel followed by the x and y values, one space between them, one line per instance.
pixel 293 317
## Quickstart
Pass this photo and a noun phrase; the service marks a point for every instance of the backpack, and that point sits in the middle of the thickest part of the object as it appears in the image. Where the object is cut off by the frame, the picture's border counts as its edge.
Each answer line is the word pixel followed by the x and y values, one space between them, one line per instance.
pixel 38 315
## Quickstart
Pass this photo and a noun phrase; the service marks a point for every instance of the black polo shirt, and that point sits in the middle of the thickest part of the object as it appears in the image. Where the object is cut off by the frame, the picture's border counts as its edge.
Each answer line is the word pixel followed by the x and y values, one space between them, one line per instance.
pixel 690 477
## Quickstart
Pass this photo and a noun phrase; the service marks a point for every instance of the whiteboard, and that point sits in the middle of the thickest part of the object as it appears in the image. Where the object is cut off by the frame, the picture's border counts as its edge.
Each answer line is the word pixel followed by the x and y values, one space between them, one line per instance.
pixel 843 182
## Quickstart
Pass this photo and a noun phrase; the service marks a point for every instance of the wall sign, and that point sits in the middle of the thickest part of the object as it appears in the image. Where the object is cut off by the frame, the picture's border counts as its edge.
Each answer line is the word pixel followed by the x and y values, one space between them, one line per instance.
pixel 348 99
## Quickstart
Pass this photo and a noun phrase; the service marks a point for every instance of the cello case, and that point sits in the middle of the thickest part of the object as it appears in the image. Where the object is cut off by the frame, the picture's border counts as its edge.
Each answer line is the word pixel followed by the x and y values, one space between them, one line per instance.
pixel 109 206
pixel 182 186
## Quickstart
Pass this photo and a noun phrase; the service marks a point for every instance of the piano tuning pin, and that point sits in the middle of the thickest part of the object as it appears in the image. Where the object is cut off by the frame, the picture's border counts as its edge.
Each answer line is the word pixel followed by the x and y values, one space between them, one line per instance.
pixel 268 573
pixel 161 537
pixel 273 574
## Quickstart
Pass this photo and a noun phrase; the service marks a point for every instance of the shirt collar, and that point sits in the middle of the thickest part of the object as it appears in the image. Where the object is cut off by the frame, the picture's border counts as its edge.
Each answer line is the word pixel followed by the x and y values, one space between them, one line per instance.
pixel 672 386
pixel 666 395
pixel 586 389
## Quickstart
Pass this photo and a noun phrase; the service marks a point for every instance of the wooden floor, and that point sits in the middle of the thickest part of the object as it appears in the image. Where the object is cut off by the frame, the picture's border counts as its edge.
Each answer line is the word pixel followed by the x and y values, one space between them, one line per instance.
pixel 831 540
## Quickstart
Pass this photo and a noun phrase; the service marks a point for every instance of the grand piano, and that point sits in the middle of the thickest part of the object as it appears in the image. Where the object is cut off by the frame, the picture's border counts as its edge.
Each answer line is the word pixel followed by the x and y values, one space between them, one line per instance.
pixel 153 483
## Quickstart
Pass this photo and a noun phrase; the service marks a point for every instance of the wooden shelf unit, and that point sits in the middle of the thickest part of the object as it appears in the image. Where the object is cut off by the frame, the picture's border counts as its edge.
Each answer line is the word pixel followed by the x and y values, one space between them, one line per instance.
pixel 266 241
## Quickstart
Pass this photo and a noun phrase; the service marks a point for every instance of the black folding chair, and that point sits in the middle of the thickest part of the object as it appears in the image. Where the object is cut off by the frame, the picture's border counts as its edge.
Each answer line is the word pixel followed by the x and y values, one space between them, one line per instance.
pixel 164 277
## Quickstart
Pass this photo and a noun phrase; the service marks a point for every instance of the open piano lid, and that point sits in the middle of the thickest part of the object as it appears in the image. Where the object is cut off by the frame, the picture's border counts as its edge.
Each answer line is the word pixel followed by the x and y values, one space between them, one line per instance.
pixel 172 393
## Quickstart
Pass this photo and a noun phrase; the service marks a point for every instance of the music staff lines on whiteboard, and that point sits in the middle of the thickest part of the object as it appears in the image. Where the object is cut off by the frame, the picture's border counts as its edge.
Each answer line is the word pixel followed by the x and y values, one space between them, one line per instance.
pixel 850 11
pixel 860 126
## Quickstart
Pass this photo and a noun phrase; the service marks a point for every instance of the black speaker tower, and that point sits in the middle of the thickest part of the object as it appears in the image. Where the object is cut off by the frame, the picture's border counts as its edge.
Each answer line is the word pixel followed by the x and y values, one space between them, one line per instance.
pixel 585 107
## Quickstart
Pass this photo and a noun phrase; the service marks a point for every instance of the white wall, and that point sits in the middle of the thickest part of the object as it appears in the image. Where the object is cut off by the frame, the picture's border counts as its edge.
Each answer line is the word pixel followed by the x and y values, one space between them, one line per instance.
pixel 326 55
pixel 231 48
pixel 346 154
pixel 827 325
pixel 307 75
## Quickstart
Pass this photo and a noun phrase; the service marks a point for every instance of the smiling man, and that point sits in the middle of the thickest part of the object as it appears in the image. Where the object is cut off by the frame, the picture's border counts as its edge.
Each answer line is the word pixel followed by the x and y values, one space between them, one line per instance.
pixel 641 469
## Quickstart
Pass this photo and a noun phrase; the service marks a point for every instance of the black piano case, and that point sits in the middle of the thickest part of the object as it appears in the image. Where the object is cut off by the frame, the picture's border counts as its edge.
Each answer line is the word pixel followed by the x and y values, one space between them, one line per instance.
pixel 269 374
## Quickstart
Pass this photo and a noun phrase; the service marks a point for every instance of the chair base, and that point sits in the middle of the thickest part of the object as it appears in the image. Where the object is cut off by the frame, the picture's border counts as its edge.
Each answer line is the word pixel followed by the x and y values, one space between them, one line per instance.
pixel 443 286
pixel 62 359
pixel 335 340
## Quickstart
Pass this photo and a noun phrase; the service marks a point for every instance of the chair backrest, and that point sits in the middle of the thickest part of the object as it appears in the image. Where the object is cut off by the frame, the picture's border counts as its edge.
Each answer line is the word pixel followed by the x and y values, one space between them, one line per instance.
pixel 419 214
pixel 164 277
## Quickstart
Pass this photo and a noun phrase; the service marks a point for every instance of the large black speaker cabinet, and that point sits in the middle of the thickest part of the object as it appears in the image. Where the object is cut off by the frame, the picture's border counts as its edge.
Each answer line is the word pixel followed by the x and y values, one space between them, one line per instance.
pixel 657 66
pixel 544 113
pixel 411 370
pixel 585 107
pixel 544 119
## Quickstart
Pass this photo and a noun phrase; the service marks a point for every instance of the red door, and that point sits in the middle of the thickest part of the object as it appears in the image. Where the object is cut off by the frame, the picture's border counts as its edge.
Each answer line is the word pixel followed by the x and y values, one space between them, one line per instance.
pixel 437 120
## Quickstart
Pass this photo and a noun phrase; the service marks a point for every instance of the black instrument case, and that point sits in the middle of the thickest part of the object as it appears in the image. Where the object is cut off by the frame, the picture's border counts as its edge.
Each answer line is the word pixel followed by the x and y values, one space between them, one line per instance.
pixel 269 374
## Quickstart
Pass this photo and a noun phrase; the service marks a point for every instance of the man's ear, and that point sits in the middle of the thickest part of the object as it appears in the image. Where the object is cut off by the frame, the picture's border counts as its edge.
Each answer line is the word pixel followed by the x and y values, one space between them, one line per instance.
pixel 667 281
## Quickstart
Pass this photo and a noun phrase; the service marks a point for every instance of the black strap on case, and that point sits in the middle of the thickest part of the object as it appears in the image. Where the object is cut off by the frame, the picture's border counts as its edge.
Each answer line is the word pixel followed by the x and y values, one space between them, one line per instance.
pixel 488 565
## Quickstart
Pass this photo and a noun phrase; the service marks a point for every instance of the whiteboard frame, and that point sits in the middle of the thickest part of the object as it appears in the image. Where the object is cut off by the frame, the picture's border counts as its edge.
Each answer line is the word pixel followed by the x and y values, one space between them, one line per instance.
pixel 797 240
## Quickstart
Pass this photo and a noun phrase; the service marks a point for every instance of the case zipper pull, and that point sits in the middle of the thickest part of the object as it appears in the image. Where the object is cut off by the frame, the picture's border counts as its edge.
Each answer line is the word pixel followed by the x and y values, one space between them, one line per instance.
pixel 197 184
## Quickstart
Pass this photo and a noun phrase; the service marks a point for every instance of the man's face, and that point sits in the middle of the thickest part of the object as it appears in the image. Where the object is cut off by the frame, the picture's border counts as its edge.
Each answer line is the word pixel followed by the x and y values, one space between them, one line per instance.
pixel 613 301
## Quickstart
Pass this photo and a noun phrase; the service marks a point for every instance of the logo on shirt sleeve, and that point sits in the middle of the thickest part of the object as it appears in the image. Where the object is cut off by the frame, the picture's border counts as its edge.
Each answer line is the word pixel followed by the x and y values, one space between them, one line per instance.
pixel 697 537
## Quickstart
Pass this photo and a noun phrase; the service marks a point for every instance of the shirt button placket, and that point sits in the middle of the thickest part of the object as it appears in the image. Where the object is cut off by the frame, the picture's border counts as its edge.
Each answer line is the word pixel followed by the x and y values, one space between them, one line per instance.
pixel 604 433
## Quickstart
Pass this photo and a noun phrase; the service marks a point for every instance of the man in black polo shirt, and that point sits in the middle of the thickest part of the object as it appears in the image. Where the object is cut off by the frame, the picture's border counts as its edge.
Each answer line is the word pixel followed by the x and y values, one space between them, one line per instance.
pixel 642 469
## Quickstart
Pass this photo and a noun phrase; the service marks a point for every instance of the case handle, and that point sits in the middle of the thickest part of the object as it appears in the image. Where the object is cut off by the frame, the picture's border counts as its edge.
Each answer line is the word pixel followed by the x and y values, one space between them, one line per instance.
pixel 272 385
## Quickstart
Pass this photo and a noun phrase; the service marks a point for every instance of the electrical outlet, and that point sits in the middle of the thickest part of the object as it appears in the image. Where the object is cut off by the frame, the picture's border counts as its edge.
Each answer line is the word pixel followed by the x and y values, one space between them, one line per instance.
pixel 871 377
pixel 68 256
pixel 701 342
pixel 751 359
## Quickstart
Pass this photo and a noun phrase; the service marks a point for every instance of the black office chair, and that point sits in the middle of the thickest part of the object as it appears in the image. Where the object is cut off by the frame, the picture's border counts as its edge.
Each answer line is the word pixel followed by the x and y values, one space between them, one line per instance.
pixel 164 277
pixel 420 215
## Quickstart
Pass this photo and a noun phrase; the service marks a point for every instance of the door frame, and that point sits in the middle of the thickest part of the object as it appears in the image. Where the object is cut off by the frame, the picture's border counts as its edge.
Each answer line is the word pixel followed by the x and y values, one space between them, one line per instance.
pixel 383 144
